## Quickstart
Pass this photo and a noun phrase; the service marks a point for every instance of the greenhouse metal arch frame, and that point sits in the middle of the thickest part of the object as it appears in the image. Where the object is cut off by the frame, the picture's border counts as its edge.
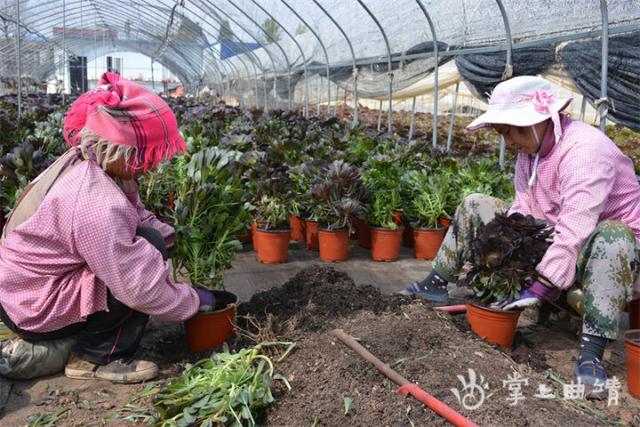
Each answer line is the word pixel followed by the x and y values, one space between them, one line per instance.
pixel 186 61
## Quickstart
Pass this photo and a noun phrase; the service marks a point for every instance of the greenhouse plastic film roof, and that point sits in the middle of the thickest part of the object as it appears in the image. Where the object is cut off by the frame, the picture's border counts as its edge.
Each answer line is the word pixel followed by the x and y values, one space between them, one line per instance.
pixel 267 47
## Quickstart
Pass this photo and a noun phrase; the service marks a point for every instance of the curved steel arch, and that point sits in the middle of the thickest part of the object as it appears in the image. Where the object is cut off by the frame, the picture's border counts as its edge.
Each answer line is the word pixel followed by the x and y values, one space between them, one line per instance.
pixel 273 63
pixel 251 54
pixel 603 103
pixel 353 59
pixel 508 68
pixel 324 49
pixel 434 141
pixel 286 58
pixel 386 42
pixel 304 58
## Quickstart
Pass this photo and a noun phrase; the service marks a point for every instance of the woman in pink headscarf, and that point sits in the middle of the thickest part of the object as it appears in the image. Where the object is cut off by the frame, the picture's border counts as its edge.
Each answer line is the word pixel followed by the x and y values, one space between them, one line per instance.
pixel 80 255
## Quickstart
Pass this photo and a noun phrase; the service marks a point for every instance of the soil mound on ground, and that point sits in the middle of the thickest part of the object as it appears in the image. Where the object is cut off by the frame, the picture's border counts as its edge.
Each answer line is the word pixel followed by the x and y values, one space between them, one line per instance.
pixel 316 297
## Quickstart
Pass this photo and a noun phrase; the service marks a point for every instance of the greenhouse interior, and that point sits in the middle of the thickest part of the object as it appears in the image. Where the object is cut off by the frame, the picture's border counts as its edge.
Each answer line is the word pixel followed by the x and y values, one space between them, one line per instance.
pixel 320 212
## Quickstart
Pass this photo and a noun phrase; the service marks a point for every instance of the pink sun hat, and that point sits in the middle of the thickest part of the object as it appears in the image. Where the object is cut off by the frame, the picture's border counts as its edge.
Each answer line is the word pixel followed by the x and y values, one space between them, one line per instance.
pixel 522 101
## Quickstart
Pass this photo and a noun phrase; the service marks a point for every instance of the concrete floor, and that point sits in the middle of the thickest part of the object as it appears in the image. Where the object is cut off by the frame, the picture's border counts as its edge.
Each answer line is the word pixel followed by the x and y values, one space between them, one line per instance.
pixel 249 276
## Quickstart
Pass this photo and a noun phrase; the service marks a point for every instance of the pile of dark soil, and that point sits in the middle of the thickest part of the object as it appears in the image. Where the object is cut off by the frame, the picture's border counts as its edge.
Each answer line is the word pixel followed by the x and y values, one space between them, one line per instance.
pixel 316 299
pixel 425 346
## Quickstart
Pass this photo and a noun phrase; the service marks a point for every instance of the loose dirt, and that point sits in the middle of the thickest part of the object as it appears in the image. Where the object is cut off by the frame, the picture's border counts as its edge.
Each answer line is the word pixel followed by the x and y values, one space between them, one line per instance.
pixel 427 347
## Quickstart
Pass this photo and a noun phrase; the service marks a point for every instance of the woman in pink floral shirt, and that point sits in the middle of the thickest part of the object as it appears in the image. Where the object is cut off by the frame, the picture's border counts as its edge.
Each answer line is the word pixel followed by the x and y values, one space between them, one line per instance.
pixel 80 254
pixel 573 177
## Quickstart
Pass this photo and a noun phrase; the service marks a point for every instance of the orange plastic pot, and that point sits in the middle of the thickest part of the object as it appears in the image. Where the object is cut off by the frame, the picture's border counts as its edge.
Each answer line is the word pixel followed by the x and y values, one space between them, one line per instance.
pixel 427 241
pixel 385 243
pixel 171 200
pixel 254 235
pixel 363 233
pixel 632 345
pixel 496 326
pixel 397 218
pixel 209 330
pixel 334 245
pixel 407 234
pixel 297 228
pixel 273 246
pixel 245 237
pixel 445 222
pixel 311 231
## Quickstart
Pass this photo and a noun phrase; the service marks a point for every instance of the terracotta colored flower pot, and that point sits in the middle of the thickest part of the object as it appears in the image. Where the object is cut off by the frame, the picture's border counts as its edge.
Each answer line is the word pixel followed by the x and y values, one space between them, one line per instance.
pixel 273 246
pixel 385 243
pixel 297 228
pixel 363 232
pixel 211 329
pixel 407 234
pixel 397 218
pixel 334 245
pixel 311 229
pixel 632 345
pixel 427 242
pixel 496 326
pixel 245 237
pixel 445 222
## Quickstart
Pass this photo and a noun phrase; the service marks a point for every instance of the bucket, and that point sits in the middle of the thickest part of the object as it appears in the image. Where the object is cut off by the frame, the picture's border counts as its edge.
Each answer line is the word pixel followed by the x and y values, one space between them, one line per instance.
pixel 496 326
pixel 334 245
pixel 427 241
pixel 273 246
pixel 385 244
pixel 209 330
pixel 632 345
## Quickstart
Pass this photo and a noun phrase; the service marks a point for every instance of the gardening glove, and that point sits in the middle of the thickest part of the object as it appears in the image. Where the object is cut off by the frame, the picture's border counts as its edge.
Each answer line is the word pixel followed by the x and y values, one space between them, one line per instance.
pixel 207 300
pixel 539 291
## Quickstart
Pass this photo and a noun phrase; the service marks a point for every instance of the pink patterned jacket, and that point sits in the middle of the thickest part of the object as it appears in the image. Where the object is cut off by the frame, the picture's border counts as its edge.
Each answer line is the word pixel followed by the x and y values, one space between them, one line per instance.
pixel 581 181
pixel 56 267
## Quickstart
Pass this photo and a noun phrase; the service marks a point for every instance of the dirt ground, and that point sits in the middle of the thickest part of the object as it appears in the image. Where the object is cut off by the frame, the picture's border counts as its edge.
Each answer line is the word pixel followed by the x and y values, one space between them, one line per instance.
pixel 425 346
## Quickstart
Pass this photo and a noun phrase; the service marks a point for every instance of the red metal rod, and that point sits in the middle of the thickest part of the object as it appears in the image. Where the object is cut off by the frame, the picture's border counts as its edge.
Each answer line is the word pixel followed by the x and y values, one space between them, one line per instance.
pixel 453 309
pixel 406 387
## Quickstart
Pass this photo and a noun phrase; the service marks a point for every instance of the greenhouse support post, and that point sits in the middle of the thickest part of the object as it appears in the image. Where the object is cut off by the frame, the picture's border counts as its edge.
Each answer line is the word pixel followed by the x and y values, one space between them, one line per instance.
pixel 324 50
pixel 436 83
pixel 380 116
pixel 502 150
pixel 389 67
pixel 353 62
pixel 412 117
pixel 583 108
pixel 453 116
pixel 18 59
pixel 304 57
pixel 603 102
pixel 64 49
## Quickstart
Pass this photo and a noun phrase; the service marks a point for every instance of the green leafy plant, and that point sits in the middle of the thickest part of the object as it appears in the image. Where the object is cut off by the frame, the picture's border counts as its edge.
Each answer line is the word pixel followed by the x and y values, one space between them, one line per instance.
pixel 227 389
pixel 504 255
pixel 208 216
pixel 424 196
pixel 338 189
pixel 382 208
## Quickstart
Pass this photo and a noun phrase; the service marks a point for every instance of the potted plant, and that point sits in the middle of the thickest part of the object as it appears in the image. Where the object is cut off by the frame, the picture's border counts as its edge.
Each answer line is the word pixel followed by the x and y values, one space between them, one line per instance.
pixel 381 177
pixel 338 192
pixel 209 213
pixel 501 258
pixel 386 235
pixel 273 231
pixel 272 211
pixel 423 210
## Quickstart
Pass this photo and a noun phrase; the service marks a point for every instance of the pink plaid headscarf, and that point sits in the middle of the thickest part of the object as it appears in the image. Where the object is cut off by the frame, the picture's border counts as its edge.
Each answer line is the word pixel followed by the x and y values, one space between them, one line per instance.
pixel 125 114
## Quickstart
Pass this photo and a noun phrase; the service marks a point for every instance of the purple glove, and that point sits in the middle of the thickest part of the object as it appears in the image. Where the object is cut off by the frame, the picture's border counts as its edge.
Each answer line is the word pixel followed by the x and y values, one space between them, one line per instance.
pixel 534 295
pixel 207 301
